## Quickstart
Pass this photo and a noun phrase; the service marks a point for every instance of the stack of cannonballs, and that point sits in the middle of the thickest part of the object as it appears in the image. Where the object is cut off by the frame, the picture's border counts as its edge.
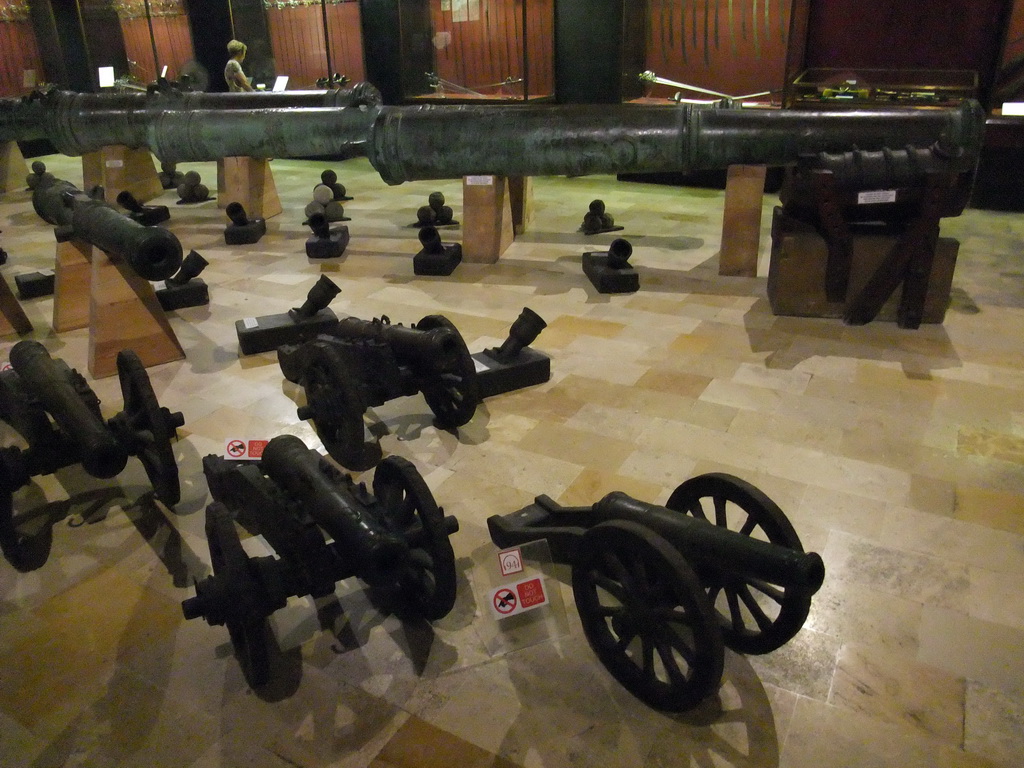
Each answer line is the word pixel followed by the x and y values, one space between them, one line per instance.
pixel 192 190
pixel 435 213
pixel 327 198
pixel 170 177
pixel 597 219
pixel 39 175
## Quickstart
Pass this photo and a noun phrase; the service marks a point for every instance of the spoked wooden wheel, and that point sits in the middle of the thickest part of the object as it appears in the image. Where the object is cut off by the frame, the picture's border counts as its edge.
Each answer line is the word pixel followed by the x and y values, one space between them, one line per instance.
pixel 336 408
pixel 427 579
pixel 234 596
pixel 452 393
pixel 146 429
pixel 646 616
pixel 756 617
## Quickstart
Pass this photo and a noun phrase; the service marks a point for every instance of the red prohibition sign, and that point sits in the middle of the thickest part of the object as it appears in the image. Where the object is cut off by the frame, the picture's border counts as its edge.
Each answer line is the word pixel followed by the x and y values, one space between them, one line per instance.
pixel 236 448
pixel 504 601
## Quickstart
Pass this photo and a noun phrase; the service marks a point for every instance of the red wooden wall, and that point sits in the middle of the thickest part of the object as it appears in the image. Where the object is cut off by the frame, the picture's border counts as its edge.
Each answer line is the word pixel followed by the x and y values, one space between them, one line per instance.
pixel 18 50
pixel 730 46
pixel 1009 84
pixel 479 43
pixel 297 41
pixel 170 30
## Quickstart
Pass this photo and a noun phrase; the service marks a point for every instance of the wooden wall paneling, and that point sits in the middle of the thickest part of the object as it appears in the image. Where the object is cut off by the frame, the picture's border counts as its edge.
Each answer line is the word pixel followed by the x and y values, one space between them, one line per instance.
pixel 540 47
pixel 139 49
pixel 297 39
pixel 1009 80
pixel 173 43
pixel 344 26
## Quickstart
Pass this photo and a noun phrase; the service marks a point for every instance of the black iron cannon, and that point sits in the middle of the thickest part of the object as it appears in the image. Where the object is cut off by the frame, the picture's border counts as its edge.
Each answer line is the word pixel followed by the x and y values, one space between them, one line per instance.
pixel 154 253
pixel 661 590
pixel 324 528
pixel 361 364
pixel 57 414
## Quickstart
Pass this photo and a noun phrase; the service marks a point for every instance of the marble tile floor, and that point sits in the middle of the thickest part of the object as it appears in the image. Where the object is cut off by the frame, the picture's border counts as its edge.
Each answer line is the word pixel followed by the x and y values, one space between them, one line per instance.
pixel 898 455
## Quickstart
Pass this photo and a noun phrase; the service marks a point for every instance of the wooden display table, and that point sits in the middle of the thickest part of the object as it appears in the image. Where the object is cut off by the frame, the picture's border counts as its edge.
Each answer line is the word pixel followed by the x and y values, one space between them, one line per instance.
pixel 249 181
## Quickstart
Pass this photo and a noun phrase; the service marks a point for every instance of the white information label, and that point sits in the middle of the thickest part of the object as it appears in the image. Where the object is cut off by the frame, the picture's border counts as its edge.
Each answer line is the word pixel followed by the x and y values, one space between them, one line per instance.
pixel 250 323
pixel 115 163
pixel 47 272
pixel 510 561
pixel 28 78
pixel 1013 108
pixel 480 181
pixel 876 196
pixel 480 367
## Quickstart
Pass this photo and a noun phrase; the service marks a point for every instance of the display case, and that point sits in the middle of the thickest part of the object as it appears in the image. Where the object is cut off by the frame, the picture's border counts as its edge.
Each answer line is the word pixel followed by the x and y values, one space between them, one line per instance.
pixel 859 88
pixel 477 50
pixel 156 35
pixel 21 67
pixel 316 43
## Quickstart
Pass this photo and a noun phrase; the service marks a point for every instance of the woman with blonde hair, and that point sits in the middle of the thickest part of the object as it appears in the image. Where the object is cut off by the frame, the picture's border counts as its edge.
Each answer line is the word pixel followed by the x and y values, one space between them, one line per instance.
pixel 233 74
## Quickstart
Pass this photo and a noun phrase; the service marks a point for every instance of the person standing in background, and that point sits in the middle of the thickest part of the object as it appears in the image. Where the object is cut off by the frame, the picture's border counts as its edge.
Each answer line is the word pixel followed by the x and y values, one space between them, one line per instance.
pixel 233 74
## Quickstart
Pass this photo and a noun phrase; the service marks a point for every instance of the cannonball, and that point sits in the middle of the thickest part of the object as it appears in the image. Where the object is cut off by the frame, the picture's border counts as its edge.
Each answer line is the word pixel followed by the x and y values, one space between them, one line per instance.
pixel 167 167
pixel 607 222
pixel 597 206
pixel 185 191
pixel 192 178
pixel 202 192
pixel 436 200
pixel 445 214
pixel 313 208
pixel 339 191
pixel 425 215
pixel 328 177
pixel 619 252
pixel 334 211
pixel 430 240
pixel 323 194
pixel 592 223
pixel 39 167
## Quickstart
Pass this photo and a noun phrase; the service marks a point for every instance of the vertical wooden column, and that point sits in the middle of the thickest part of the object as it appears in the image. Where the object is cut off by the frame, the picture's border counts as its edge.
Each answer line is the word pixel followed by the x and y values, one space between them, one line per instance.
pixel 72 271
pixel 124 313
pixel 13 169
pixel 12 317
pixel 520 190
pixel 117 169
pixel 486 218
pixel 249 181
pixel 741 220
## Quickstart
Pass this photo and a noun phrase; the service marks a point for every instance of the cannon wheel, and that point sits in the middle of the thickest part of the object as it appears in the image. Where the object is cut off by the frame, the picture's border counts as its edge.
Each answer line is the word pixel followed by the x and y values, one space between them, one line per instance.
pixel 428 579
pixel 454 395
pixel 147 428
pixel 247 628
pixel 337 408
pixel 646 616
pixel 756 617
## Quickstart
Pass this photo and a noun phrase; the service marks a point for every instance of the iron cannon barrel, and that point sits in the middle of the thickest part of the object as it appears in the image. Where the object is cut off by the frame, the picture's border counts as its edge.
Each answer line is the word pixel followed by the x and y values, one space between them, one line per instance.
pixel 366 546
pixel 704 544
pixel 52 383
pixel 434 344
pixel 154 253
pixel 437 142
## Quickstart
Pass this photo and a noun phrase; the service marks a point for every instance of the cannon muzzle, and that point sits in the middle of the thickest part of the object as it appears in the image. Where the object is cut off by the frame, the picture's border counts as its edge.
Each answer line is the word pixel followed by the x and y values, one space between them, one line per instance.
pixel 321 488
pixel 75 409
pixel 708 546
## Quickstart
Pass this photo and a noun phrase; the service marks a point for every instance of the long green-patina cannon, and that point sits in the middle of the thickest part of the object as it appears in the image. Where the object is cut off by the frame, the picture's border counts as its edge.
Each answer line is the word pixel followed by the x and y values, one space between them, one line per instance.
pixel 395 539
pixel 661 590
pixel 154 253
pixel 406 143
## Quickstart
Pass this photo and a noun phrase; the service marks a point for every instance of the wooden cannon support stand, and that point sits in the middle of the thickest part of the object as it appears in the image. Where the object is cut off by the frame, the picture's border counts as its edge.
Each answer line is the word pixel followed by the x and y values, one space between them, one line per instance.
pixel 494 210
pixel 12 317
pixel 118 169
pixel 13 169
pixel 249 181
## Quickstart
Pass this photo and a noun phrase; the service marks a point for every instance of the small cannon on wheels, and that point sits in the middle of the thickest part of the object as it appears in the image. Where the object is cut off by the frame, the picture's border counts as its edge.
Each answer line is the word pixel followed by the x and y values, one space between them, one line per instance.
pixel 662 590
pixel 364 363
pixel 52 407
pixel 396 540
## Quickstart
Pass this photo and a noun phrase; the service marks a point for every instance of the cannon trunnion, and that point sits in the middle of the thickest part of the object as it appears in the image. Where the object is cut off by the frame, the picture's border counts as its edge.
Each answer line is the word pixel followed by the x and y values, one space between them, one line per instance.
pixel 324 528
pixel 52 407
pixel 661 591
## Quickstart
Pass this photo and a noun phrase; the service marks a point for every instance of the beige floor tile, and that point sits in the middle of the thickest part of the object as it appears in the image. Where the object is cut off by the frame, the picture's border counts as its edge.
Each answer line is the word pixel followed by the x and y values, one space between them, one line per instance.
pixel 994 723
pixel 978 650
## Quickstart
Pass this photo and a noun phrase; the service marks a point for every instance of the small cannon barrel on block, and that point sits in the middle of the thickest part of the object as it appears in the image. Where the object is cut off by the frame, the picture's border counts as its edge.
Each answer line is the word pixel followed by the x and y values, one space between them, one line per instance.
pixel 662 590
pixel 64 394
pixel 431 347
pixel 395 539
pixel 154 253
pixel 371 550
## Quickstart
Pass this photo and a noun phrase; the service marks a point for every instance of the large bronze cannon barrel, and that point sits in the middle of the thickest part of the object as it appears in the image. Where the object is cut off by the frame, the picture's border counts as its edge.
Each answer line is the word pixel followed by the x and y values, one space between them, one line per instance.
pixel 724 550
pixel 154 253
pixel 83 122
pixel 369 549
pixel 436 142
pixel 73 407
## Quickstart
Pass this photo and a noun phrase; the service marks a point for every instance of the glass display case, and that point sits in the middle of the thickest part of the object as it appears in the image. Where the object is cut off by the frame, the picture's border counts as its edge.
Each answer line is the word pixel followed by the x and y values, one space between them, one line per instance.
pixel 857 88
pixel 473 50
pixel 156 35
pixel 21 68
pixel 316 43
